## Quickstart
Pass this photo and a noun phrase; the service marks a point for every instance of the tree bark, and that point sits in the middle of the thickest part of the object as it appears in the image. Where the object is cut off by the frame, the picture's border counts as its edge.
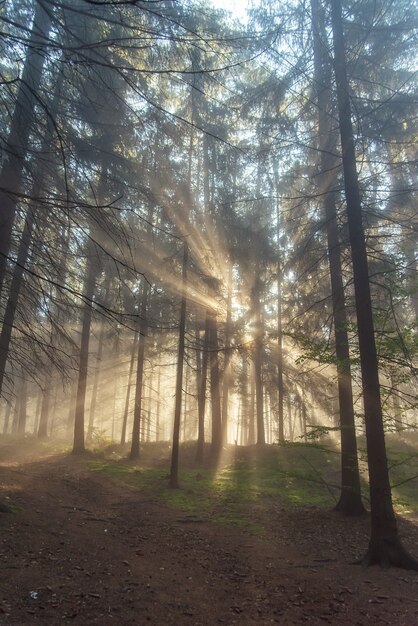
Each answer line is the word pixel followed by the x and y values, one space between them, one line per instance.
pixel 128 393
pixel 21 123
pixel 280 385
pixel 90 283
pixel 143 330
pixel 158 408
pixel 202 395
pixel 216 443
pixel 251 412
pixel 7 418
pixel 350 502
pixel 258 358
pixel 384 546
pixel 174 468
pixel 226 378
pixel 26 238
pixel 21 424
pixel 12 301
pixel 97 368
pixel 43 420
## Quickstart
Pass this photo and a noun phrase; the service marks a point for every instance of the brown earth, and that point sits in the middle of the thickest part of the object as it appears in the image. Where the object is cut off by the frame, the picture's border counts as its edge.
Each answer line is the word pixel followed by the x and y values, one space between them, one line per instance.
pixel 81 549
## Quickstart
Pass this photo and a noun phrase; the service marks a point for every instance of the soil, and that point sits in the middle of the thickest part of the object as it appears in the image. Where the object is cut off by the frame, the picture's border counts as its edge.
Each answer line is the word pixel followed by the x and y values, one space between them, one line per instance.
pixel 79 548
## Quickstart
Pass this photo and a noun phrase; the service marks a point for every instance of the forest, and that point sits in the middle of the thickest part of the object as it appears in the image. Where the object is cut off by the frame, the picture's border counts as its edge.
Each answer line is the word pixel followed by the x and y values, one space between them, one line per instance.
pixel 208 304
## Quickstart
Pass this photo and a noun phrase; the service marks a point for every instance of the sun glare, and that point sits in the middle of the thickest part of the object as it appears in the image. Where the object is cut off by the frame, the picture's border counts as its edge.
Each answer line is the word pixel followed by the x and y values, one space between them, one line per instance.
pixel 237 8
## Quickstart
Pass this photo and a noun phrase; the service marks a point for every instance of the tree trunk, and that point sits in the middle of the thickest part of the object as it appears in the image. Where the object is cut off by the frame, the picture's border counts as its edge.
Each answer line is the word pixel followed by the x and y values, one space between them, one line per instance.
pixel 303 414
pixel 72 398
pixel 97 369
pixel 174 468
pixel 128 393
pixel 7 418
pixel 43 420
pixel 280 385
pixel 21 424
pixel 290 418
pixel 202 395
pixel 9 314
pixel 93 401
pixel 54 413
pixel 214 379
pixel 251 412
pixel 15 421
pixel 258 359
pixel 37 413
pixel 244 401
pixel 226 379
pixel 90 282
pixel 350 502
pixel 115 374
pixel 139 391
pixel 158 408
pixel 21 123
pixel 384 546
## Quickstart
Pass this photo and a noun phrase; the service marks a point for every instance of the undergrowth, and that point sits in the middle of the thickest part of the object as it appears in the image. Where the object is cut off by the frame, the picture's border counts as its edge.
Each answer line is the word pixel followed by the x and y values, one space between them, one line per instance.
pixel 249 481
pixel 234 492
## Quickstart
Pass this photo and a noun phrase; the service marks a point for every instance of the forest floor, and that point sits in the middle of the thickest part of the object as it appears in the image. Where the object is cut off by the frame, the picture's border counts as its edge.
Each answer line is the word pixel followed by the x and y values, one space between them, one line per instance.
pixel 82 546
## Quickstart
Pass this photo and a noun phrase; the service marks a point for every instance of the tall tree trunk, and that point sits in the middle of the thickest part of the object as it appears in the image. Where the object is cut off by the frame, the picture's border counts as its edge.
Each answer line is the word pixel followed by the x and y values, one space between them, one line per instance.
pixel 43 420
pixel 202 395
pixel 244 401
pixel 97 369
pixel 9 314
pixel 290 417
pixel 158 408
pixel 226 379
pixel 54 413
pixel 37 413
pixel 115 370
pixel 214 378
pixel 72 399
pixel 128 392
pixel 350 502
pixel 258 358
pixel 15 421
pixel 7 418
pixel 90 282
pixel 384 546
pixel 21 123
pixel 21 425
pixel 280 385
pixel 26 238
pixel 251 413
pixel 186 410
pixel 139 389
pixel 174 468
pixel 93 401
pixel 304 424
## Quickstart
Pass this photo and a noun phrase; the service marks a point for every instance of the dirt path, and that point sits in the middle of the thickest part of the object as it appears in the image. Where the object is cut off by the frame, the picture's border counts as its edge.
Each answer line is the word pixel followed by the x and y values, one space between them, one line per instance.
pixel 79 549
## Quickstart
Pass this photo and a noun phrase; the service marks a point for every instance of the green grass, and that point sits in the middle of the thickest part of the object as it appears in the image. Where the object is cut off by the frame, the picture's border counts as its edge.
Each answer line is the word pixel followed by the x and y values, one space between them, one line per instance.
pixel 246 488
pixel 288 475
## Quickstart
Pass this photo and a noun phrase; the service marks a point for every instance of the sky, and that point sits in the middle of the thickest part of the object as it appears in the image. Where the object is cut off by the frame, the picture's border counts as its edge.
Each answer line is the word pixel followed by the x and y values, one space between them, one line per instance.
pixel 237 7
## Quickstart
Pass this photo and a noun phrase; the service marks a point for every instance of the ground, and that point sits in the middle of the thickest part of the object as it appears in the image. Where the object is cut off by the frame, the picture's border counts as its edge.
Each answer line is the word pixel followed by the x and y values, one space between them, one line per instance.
pixel 79 547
